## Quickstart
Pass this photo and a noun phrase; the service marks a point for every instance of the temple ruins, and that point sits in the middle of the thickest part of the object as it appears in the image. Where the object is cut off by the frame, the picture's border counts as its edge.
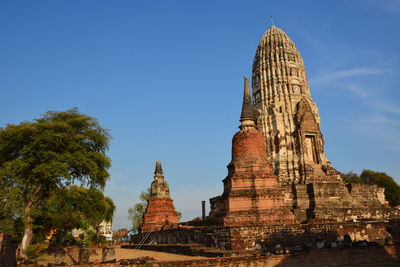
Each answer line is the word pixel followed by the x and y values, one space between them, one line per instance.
pixel 252 195
pixel 280 188
pixel 289 120
pixel 160 211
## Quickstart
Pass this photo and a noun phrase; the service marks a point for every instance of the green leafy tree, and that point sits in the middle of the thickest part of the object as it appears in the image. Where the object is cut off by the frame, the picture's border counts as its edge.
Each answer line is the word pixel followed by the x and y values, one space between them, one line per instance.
pixel 353 178
pixel 135 214
pixel 102 209
pixel 74 207
pixel 58 149
pixel 392 189
pixel 10 211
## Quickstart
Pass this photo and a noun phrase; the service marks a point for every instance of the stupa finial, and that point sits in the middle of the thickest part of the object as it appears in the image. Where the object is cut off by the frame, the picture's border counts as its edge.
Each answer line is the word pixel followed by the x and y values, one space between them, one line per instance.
pixel 158 169
pixel 247 115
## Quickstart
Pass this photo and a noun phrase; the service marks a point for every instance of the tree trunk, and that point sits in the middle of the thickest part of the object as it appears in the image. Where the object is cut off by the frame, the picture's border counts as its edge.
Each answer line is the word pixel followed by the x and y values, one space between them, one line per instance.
pixel 28 234
pixel 84 255
pixel 108 255
pixel 97 228
pixel 59 255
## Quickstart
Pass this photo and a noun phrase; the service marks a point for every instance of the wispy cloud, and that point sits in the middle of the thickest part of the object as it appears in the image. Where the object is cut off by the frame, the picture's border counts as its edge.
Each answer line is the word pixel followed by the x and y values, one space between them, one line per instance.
pixel 385 106
pixel 373 98
pixel 356 71
pixel 358 90
pixel 380 119
pixel 374 121
pixel 342 74
pixel 388 6
pixel 380 127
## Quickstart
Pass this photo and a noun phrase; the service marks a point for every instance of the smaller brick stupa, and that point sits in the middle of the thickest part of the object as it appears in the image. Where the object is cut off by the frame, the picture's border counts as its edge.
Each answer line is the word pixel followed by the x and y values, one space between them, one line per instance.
pixel 160 212
pixel 252 195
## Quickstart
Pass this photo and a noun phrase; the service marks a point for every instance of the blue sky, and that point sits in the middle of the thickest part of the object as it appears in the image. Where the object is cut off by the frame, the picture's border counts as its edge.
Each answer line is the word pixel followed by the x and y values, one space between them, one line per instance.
pixel 166 78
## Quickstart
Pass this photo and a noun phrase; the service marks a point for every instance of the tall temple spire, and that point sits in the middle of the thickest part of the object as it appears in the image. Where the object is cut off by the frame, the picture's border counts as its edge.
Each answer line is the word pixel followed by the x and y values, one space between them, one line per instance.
pixel 247 116
pixel 158 169
pixel 286 112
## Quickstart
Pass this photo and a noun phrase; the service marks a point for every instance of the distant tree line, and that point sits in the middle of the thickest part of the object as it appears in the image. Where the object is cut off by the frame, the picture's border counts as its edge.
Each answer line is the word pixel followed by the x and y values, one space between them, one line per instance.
pixel 135 213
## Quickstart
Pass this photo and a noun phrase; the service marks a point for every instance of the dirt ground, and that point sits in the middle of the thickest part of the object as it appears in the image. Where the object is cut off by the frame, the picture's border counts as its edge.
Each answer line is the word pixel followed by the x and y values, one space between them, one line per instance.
pixel 120 253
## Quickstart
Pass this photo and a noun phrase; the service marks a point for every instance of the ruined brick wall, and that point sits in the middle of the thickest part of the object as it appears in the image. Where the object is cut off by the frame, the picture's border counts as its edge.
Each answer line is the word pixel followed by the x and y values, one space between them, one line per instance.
pixel 336 202
pixel 239 238
pixel 7 251
pixel 208 236
pixel 317 258
pixel 304 235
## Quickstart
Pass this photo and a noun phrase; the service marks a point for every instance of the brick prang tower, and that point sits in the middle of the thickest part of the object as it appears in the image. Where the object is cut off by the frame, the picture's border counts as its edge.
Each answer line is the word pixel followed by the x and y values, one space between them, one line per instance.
pixel 252 195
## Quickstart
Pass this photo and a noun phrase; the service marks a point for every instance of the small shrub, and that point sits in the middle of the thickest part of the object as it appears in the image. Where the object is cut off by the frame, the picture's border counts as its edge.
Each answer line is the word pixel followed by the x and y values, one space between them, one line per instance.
pixel 35 251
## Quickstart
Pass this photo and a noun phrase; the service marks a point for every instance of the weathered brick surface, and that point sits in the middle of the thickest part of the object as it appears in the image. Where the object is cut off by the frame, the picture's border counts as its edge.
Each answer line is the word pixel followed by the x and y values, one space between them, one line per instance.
pixel 317 258
pixel 247 237
pixel 7 251
pixel 160 211
pixel 252 195
pixel 160 214
pixel 338 202
pixel 249 145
